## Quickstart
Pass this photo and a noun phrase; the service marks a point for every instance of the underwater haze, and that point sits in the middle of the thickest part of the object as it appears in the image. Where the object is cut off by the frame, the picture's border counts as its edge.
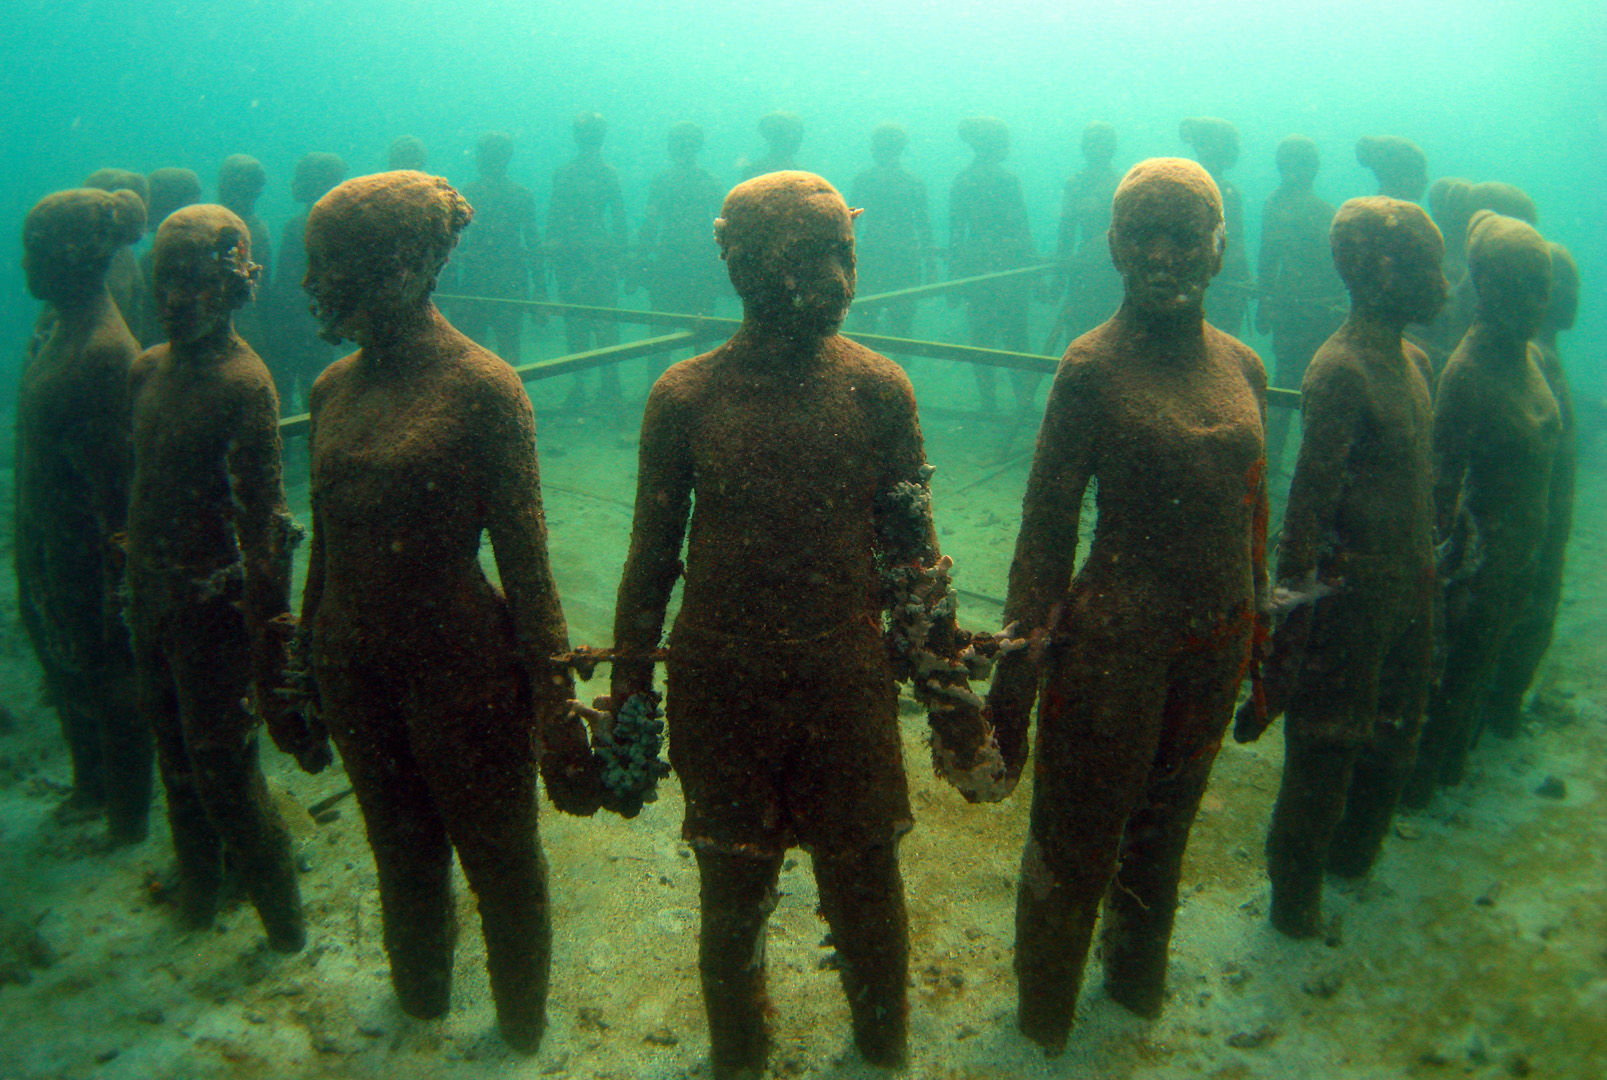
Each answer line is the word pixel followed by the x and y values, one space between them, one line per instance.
pixel 1476 947
pixel 1491 90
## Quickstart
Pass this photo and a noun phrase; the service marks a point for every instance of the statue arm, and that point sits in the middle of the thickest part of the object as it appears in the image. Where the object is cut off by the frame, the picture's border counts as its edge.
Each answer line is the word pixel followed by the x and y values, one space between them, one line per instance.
pixel 1046 548
pixel 663 505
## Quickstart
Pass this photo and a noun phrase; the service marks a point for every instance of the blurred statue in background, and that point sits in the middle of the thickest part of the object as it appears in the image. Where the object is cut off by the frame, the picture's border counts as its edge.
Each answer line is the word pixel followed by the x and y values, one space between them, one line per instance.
pixel 171 189
pixel 1301 298
pixel 126 283
pixel 72 473
pixel 988 232
pixel 586 238
pixel 1530 636
pixel 406 152
pixel 438 689
pixel 1142 652
pixel 803 455
pixel 783 134
pixel 1216 146
pixel 1086 286
pixel 1399 164
pixel 1496 197
pixel 299 353
pixel 209 552
pixel 500 258
pixel 678 263
pixel 893 236
pixel 1353 653
pixel 241 180
pixel 1496 431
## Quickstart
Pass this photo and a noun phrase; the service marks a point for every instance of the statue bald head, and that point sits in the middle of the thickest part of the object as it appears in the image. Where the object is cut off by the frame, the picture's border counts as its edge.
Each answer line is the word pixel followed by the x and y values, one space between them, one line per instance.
pixel 788 242
pixel 1510 264
pixel 1388 253
pixel 1166 238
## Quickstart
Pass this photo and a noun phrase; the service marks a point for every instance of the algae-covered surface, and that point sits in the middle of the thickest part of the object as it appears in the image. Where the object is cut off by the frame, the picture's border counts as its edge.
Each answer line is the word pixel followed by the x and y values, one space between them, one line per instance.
pixel 1478 947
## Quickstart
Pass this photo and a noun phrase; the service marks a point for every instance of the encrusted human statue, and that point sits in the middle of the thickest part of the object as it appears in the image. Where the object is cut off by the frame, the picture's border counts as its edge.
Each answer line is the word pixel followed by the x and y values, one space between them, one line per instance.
pixel 1216 146
pixel 1140 653
pixel 439 690
pixel 72 472
pixel 209 551
pixel 1531 635
pixel 1351 661
pixel 1300 300
pixel 797 456
pixel 1496 431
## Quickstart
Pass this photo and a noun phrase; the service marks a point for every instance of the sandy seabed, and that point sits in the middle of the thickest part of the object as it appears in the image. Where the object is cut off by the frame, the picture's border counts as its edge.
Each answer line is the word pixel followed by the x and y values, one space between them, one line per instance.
pixel 1478 947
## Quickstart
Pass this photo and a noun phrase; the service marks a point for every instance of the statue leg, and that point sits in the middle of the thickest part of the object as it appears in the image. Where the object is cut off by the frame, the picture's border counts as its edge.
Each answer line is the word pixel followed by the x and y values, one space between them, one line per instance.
pixel 127 749
pixel 405 831
pixel 1098 729
pixel 737 894
pixel 211 666
pixel 79 718
pixel 1311 801
pixel 196 844
pixel 1477 626
pixel 1525 646
pixel 474 747
pixel 1385 761
pixel 862 898
pixel 1139 912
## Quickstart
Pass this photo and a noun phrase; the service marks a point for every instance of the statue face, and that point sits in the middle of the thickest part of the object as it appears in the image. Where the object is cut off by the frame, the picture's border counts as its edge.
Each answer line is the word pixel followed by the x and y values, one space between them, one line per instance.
pixel 800 278
pixel 1514 294
pixel 1167 248
pixel 1419 287
pixel 336 292
pixel 195 293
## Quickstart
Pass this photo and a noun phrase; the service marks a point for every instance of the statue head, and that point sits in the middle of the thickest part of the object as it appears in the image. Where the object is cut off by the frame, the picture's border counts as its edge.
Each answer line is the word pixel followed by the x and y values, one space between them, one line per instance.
pixel 1167 238
pixel 202 271
pixel 1510 264
pixel 316 173
pixel 1388 253
pixel 69 238
pixel 787 239
pixel 375 246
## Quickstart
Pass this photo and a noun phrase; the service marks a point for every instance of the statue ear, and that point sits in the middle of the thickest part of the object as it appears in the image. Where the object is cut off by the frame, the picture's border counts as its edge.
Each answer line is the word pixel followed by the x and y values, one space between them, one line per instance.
pixel 854 212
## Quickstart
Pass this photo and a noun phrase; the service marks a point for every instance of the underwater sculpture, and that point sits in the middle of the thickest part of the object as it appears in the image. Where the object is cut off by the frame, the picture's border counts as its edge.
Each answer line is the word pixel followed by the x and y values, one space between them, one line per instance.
pixel 988 232
pixel 1530 636
pixel 124 279
pixel 804 454
pixel 1351 660
pixel 241 180
pixel 438 689
pixel 1301 300
pixel 1498 197
pixel 1141 654
pixel 1399 164
pixel 1086 287
pixel 783 134
pixel 1496 431
pixel 299 353
pixel 72 472
pixel 499 259
pixel 171 189
pixel 1216 146
pixel 406 152
pixel 586 238
pixel 1450 204
pixel 893 236
pixel 209 552
pixel 678 264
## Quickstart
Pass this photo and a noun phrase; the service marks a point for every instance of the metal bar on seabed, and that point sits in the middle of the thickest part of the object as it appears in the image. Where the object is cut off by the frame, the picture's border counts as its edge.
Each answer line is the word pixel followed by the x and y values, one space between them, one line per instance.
pixel 696 328
pixel 558 365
